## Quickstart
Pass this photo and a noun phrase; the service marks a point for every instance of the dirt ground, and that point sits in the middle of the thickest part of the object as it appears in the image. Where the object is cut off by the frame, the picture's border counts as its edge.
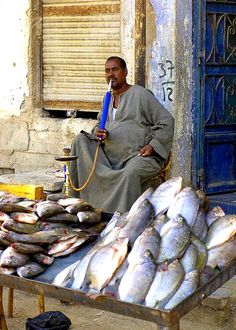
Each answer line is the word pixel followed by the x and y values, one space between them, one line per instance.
pixel 200 318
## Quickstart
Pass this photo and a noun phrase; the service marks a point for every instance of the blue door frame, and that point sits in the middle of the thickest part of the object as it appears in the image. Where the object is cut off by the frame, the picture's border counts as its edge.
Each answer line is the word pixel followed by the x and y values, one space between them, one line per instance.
pixel 214 106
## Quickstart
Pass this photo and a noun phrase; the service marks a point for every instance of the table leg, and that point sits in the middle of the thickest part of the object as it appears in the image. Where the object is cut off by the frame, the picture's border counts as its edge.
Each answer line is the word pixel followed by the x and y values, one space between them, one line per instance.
pixel 41 303
pixel 3 324
pixel 10 302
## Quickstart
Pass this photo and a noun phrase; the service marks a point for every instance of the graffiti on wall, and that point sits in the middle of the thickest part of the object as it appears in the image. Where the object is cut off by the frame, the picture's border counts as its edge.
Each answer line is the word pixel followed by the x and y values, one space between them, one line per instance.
pixel 166 73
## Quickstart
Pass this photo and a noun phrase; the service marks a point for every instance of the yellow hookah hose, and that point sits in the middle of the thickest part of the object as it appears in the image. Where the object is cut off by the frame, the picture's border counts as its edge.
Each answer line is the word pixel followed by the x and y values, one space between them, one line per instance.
pixel 90 174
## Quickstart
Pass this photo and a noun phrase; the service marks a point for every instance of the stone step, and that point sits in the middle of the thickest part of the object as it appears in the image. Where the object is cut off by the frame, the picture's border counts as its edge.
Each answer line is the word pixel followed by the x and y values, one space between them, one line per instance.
pixel 45 178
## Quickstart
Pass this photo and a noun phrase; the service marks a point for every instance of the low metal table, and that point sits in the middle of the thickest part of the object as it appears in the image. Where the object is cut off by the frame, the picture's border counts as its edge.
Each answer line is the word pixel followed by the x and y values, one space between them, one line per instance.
pixel 165 319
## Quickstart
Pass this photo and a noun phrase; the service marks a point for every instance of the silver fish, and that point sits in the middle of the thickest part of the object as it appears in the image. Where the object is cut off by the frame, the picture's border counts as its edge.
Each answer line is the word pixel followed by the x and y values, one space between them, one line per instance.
pixel 213 214
pixel 148 240
pixel 222 256
pixel 175 240
pixel 138 221
pixel 145 195
pixel 105 262
pixel 202 252
pixel 164 194
pixel 30 269
pixel 111 224
pixel 112 288
pixel 189 259
pixel 159 221
pixel 185 203
pixel 200 227
pixel 80 270
pixel 123 220
pixel 186 288
pixel 65 277
pixel 165 283
pixel 11 258
pixel 221 230
pixel 137 280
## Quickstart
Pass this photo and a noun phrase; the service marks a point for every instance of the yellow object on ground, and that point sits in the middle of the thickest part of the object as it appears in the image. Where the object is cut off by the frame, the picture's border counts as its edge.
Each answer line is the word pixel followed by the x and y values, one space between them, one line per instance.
pixel 27 191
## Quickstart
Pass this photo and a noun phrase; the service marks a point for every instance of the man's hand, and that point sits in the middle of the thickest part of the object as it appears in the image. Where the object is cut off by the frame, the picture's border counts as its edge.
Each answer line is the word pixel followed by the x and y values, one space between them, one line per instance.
pixel 146 151
pixel 101 134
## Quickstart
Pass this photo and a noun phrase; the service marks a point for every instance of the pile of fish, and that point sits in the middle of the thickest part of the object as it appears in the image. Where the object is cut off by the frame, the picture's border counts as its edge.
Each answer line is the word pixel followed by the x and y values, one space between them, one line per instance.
pixel 157 254
pixel 33 233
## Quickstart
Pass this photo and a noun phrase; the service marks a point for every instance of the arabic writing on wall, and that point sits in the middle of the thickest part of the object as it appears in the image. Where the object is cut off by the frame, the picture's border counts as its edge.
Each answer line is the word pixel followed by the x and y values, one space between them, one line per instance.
pixel 166 69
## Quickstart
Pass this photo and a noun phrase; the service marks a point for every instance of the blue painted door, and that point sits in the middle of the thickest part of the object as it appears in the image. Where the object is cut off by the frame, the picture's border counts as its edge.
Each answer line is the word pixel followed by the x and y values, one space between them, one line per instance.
pixel 215 129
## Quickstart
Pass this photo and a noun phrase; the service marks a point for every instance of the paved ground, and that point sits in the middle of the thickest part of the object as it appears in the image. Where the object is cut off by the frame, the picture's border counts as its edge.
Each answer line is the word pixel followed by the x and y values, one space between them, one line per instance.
pixel 202 317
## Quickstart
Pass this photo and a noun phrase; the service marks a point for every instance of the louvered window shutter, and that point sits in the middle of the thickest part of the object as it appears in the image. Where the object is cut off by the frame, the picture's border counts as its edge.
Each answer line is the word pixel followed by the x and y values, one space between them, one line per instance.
pixel 78 36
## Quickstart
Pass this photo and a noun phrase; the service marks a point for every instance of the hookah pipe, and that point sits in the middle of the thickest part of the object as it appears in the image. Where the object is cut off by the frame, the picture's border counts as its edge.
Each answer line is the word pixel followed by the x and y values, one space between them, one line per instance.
pixel 101 126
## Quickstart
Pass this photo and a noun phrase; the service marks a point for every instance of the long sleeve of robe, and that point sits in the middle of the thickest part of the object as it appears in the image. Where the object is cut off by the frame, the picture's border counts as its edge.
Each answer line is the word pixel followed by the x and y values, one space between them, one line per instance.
pixel 121 176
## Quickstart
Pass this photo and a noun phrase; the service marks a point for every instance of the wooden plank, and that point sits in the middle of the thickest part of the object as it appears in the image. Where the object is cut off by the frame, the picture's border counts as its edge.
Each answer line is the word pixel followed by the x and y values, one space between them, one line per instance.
pixel 28 191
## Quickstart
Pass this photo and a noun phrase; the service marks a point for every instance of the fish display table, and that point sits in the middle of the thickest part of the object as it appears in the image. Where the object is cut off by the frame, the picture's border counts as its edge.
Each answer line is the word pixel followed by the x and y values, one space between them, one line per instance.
pixel 165 319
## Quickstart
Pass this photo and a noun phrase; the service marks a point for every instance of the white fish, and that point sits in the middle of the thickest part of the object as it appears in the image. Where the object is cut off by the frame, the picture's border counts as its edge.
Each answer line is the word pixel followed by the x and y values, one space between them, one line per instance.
pixel 105 262
pixel 146 195
pixel 165 283
pixel 185 203
pixel 137 279
pixel 164 194
pixel 187 287
pixel 148 240
pixel 221 230
pixel 65 277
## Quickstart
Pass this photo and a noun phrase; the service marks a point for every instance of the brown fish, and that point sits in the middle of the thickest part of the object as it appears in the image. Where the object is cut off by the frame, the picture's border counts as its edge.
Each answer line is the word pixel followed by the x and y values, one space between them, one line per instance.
pixel 62 217
pixel 47 209
pixel 11 258
pixel 3 240
pixel 81 206
pixel 4 216
pixel 43 259
pixel 31 218
pixel 41 237
pixel 19 227
pixel 26 248
pixel 89 217
pixel 12 207
pixel 30 269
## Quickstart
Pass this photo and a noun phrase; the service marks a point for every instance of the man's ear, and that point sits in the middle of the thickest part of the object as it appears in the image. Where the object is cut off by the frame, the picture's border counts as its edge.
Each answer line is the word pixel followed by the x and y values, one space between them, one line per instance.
pixel 126 72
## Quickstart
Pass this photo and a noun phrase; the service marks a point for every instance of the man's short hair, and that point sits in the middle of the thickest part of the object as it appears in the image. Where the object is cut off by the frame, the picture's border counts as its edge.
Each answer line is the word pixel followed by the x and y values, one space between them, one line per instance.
pixel 120 59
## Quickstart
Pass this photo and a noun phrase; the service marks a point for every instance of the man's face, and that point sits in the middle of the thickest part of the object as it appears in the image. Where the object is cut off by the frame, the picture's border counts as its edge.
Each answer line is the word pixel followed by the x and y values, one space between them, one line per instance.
pixel 114 72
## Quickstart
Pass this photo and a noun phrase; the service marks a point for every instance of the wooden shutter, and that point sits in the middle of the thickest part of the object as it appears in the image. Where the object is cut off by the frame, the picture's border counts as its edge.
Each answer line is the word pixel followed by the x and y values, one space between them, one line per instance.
pixel 78 36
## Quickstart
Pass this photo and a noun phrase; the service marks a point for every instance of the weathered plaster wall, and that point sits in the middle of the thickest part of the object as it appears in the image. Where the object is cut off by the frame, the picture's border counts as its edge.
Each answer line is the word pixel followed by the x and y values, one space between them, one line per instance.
pixel 169 58
pixel 14 56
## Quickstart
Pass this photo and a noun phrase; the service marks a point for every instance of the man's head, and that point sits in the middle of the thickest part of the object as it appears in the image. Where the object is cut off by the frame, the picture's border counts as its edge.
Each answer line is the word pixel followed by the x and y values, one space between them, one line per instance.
pixel 116 70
